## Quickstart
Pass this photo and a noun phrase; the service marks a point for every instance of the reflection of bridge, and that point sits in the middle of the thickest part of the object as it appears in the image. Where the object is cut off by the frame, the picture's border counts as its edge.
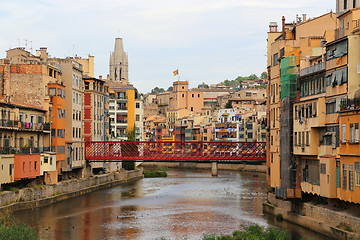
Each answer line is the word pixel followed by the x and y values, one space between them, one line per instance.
pixel 199 152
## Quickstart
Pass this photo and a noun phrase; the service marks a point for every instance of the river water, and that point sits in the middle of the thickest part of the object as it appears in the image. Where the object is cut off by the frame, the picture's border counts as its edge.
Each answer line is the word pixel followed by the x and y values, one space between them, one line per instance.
pixel 185 205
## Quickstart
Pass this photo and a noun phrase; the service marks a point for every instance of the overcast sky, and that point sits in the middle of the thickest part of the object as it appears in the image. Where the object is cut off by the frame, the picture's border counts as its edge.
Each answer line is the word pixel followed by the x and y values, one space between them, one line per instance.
pixel 207 40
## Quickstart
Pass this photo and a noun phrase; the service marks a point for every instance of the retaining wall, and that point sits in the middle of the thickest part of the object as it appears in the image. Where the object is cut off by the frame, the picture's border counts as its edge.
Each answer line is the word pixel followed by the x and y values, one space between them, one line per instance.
pixel 317 218
pixel 47 194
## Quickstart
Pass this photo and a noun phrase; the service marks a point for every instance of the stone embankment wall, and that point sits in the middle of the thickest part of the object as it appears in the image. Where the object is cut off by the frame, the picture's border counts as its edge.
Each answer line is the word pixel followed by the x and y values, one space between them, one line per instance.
pixel 234 167
pixel 317 218
pixel 41 195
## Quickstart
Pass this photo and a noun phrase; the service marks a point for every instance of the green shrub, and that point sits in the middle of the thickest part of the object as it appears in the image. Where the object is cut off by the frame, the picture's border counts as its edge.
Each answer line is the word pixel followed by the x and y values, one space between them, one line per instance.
pixel 10 229
pixel 154 174
pixel 18 232
pixel 279 217
pixel 251 232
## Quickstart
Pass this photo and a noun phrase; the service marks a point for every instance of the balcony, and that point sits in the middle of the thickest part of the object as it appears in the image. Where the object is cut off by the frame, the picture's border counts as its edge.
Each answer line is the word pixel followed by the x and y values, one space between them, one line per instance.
pixel 121 108
pixel 25 125
pixel 313 69
pixel 23 150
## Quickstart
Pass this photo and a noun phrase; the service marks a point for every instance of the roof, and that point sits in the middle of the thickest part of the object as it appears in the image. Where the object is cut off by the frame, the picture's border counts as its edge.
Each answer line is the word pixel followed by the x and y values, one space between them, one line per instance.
pixel 117 85
pixel 21 106
pixel 211 90
pixel 92 78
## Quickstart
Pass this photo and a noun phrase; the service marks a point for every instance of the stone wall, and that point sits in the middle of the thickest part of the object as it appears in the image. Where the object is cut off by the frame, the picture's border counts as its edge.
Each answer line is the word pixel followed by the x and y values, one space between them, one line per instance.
pixel 332 217
pixel 316 218
pixel 46 194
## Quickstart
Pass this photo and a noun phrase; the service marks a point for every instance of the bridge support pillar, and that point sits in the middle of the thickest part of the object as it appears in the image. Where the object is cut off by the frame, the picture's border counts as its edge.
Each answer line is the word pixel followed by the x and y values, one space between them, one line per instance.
pixel 214 169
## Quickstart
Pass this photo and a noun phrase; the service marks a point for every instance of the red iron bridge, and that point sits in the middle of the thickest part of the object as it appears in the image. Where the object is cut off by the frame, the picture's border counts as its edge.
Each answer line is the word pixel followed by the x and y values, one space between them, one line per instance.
pixel 198 152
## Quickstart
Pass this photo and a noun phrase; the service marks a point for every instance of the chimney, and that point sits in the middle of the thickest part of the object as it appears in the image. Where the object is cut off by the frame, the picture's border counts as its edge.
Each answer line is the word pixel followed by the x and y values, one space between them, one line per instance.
pixel 100 77
pixel 283 27
pixel 43 54
pixel 273 26
pixel 304 17
pixel 108 77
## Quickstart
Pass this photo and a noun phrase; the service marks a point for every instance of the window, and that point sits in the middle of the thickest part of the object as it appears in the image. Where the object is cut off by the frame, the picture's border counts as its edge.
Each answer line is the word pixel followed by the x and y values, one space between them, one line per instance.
pixel 53 133
pixel 61 133
pixel 356 132
pixel 351 177
pixel 351 132
pixel 137 117
pixel 306 173
pixel 198 95
pixel 357 174
pixel 46 159
pixel 182 95
pixel 73 97
pixel 52 92
pixel 295 139
pixel 137 105
pixel 276 58
pixel 345 4
pixel 307 138
pixel 191 109
pixel 343 133
pixel 192 95
pixel 282 52
pixel 323 168
pixel 330 107
pixel 344 176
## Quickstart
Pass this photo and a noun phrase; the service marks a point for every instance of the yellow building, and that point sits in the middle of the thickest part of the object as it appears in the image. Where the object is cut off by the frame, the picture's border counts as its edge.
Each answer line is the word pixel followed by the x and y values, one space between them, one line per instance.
pixel 295 48
pixel 121 109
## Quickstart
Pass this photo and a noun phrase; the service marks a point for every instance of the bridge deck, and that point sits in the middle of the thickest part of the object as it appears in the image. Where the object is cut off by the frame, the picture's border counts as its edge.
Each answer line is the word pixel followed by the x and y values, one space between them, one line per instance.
pixel 227 152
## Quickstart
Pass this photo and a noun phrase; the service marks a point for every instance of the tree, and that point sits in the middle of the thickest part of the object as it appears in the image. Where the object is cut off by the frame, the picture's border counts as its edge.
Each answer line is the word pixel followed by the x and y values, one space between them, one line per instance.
pixel 227 83
pixel 253 77
pixel 170 89
pixel 228 104
pixel 263 75
pixel 157 90
pixel 203 85
pixel 130 148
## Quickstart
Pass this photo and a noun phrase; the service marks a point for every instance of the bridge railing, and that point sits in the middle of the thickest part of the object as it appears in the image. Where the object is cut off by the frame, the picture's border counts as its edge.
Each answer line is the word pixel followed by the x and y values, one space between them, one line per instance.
pixel 173 151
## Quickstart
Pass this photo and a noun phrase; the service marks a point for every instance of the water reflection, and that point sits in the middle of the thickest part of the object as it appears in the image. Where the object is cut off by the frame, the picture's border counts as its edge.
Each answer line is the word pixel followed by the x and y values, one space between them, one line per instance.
pixel 184 205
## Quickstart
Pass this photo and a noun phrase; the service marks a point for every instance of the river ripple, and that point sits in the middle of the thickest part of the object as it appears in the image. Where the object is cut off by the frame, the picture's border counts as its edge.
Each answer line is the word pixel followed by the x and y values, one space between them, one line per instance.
pixel 183 206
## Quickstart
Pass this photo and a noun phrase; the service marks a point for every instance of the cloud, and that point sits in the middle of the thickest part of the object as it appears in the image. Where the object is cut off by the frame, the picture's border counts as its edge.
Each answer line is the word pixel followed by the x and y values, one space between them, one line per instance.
pixel 210 40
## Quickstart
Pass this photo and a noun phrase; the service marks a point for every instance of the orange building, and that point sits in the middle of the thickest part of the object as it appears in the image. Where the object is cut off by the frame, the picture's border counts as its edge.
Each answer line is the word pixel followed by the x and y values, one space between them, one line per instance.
pixel 26 166
pixel 183 98
pixel 56 93
pixel 348 167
